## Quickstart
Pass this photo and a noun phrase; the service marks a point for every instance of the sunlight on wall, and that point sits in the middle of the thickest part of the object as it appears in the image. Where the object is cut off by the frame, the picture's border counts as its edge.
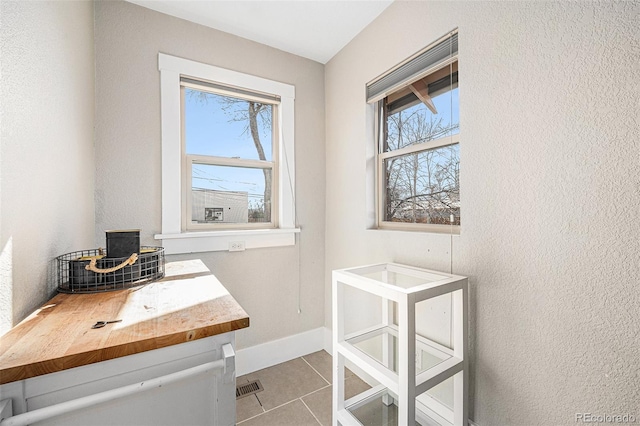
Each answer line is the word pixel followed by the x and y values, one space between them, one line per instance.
pixel 6 287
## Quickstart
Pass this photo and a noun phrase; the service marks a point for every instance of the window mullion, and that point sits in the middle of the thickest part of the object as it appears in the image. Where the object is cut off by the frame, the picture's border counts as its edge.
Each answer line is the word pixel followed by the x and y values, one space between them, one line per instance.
pixel 424 146
pixel 231 162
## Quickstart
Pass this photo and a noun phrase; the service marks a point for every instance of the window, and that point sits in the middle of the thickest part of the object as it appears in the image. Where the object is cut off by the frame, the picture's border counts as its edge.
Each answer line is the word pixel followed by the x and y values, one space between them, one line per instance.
pixel 418 141
pixel 230 161
pixel 227 158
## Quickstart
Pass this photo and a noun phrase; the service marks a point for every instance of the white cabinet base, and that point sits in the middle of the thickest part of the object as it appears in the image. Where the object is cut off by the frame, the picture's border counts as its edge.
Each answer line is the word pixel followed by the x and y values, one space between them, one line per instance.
pixel 204 398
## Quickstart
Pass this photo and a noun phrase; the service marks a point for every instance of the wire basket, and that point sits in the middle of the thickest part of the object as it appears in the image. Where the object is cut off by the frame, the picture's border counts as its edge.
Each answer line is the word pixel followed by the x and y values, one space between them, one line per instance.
pixel 90 271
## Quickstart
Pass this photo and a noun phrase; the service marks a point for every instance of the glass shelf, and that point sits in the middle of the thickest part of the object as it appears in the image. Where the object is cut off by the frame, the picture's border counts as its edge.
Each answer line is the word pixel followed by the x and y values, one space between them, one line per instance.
pixel 442 393
pixel 375 412
pixel 398 275
pixel 370 409
pixel 389 295
pixel 372 344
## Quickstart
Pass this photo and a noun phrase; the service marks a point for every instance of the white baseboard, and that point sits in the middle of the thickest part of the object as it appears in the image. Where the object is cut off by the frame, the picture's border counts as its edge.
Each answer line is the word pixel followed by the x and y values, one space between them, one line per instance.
pixel 278 351
pixel 328 339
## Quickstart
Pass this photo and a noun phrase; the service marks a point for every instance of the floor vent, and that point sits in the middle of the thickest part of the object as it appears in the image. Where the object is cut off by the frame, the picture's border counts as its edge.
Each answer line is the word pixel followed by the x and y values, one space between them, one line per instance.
pixel 246 389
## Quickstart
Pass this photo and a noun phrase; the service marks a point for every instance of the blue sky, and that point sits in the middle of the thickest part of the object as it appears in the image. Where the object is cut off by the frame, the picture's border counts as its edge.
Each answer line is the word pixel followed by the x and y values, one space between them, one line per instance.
pixel 211 131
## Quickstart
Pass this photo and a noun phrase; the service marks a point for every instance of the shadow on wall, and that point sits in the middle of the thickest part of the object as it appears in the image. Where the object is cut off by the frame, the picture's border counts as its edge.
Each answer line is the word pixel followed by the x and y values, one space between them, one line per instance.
pixel 6 287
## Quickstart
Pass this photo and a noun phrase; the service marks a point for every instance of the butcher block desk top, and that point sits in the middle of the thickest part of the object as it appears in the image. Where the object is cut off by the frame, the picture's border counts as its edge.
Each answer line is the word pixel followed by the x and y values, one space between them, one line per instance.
pixel 188 304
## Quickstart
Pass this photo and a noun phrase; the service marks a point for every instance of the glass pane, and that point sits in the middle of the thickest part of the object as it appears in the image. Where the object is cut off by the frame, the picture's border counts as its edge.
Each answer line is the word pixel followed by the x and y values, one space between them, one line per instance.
pixel 443 393
pixel 225 126
pixel 423 187
pixel 383 342
pixel 416 123
pixel 222 194
pixel 398 279
pixel 376 412
pixel 397 275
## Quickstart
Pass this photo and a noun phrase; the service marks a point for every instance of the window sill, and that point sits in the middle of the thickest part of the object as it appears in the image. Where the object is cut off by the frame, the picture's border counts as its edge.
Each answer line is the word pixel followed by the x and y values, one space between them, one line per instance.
pixel 423 228
pixel 197 242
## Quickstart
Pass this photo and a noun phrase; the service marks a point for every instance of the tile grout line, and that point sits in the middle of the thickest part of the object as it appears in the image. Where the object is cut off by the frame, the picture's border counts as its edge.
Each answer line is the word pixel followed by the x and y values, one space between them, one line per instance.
pixel 282 405
pixel 257 415
pixel 317 390
pixel 264 411
pixel 260 402
pixel 309 409
pixel 317 372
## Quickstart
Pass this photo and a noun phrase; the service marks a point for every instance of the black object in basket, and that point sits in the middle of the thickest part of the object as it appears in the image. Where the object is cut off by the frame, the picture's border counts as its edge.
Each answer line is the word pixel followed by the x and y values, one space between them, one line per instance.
pixel 123 243
pixel 90 271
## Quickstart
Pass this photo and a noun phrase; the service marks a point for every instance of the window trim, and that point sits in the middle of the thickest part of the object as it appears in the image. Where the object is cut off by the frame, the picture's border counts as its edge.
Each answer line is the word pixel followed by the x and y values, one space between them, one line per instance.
pixel 175 238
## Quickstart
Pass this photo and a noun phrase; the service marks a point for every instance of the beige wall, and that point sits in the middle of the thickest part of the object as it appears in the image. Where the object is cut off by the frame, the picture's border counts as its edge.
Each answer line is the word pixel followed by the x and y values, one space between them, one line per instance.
pixel 550 178
pixel 128 171
pixel 47 163
pixel 550 187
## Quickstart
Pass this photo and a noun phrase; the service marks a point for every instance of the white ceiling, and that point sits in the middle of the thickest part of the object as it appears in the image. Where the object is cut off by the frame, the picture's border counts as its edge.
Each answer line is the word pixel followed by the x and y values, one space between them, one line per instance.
pixel 314 29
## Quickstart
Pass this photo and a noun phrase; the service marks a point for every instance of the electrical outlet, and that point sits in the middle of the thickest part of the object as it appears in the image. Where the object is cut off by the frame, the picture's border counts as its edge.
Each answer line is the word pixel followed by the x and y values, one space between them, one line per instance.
pixel 236 246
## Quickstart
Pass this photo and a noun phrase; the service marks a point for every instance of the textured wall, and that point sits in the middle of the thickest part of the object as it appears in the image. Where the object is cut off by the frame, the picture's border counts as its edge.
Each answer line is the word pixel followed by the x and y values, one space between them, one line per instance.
pixel 47 84
pixel 550 187
pixel 128 170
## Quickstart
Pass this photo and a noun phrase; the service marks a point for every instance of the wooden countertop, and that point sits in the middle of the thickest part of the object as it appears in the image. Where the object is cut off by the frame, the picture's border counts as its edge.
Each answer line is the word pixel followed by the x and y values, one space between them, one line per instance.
pixel 188 304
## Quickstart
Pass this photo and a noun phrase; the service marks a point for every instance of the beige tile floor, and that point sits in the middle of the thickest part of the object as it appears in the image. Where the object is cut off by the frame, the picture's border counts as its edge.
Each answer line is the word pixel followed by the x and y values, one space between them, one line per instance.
pixel 298 393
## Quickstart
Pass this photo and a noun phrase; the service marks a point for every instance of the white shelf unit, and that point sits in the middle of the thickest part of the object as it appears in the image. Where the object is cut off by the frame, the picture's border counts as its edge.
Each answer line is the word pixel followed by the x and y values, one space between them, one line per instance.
pixel 406 365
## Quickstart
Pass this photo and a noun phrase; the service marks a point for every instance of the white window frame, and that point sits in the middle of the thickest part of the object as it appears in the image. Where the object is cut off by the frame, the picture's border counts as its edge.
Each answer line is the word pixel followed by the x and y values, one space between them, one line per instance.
pixel 191 159
pixel 175 238
pixel 380 156
pixel 380 174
